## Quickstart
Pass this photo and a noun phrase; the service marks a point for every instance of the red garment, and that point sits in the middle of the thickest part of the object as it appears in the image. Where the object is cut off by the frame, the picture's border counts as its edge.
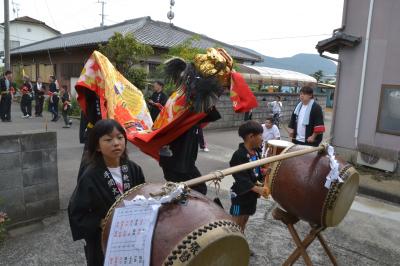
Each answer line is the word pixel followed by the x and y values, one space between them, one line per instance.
pixel 242 97
pixel 150 143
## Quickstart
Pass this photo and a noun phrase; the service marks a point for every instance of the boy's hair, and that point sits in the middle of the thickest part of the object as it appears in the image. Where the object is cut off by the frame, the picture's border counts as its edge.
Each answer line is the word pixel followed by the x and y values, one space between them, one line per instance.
pixel 278 96
pixel 160 83
pixel 270 119
pixel 307 90
pixel 8 72
pixel 250 127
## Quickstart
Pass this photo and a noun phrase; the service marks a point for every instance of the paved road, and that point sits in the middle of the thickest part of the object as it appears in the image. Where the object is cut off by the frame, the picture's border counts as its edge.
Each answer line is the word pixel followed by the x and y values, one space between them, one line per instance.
pixel 369 235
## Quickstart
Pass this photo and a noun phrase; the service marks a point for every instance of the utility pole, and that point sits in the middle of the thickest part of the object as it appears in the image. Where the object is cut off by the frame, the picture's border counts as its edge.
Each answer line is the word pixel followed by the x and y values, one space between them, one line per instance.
pixel 7 64
pixel 102 11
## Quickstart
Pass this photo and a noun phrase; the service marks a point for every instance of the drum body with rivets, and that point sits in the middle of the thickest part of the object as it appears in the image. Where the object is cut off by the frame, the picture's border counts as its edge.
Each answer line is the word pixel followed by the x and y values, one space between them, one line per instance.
pixel 298 185
pixel 195 232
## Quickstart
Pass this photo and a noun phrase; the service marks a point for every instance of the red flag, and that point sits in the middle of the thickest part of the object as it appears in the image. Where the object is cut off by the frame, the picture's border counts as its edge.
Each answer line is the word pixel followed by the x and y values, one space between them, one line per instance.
pixel 243 99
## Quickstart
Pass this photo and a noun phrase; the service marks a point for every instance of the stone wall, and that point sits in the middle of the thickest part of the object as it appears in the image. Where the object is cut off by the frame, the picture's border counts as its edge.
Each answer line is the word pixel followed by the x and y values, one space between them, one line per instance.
pixel 29 176
pixel 232 119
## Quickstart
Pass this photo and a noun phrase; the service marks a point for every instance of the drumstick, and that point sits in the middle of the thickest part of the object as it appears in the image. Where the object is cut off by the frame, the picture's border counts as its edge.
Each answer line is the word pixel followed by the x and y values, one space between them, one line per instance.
pixel 238 168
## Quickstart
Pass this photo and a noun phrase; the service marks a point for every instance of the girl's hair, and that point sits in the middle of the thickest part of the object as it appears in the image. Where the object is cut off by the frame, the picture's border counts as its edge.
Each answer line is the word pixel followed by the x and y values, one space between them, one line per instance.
pixel 101 128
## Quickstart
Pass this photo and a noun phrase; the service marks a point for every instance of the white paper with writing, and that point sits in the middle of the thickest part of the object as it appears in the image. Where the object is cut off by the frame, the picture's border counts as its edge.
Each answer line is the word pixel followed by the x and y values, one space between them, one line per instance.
pixel 131 233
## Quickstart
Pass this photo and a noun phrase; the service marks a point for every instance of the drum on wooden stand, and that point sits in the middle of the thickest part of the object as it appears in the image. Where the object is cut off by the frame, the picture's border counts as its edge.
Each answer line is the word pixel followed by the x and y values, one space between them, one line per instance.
pixel 298 185
pixel 273 147
pixel 195 232
pixel 276 146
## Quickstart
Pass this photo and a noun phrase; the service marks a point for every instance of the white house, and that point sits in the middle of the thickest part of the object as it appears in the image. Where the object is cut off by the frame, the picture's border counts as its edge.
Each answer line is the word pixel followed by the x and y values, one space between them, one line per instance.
pixel 26 30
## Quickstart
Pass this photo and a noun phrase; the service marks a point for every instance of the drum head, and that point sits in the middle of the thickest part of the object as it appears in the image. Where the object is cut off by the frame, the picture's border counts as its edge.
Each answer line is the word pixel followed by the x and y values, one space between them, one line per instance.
pixel 219 248
pixel 280 143
pixel 339 201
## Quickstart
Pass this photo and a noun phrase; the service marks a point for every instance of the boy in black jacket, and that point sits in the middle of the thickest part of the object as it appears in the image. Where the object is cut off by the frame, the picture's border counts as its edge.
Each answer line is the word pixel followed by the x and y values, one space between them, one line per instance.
pixel 245 191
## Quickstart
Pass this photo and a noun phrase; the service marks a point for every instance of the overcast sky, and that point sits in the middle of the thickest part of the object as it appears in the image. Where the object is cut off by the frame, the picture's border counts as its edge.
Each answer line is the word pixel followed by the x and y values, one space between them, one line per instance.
pixel 276 28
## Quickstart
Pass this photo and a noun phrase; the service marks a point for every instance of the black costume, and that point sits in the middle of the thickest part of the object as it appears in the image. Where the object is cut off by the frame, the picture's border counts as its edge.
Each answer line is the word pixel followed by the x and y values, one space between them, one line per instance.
pixel 181 166
pixel 93 196
pixel 244 200
pixel 93 114
pixel 65 107
pixel 316 124
pixel 26 99
pixel 53 106
pixel 5 102
pixel 39 91
pixel 157 97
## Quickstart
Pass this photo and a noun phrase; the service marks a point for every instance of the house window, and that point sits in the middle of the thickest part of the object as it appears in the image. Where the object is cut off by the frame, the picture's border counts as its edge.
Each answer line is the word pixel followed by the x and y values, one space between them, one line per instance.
pixel 45 71
pixel 389 110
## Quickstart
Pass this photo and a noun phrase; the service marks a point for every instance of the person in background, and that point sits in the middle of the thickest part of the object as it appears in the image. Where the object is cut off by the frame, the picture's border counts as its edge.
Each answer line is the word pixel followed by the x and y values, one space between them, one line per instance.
pixel 6 95
pixel 53 103
pixel 270 132
pixel 276 110
pixel 202 141
pixel 39 89
pixel 66 105
pixel 248 115
pixel 26 99
pixel 109 173
pixel 306 125
pixel 157 100
pixel 53 98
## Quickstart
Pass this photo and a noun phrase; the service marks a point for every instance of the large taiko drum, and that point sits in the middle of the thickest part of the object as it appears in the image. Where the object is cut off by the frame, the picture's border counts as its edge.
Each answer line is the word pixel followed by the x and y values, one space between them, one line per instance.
pixel 298 185
pixel 197 232
pixel 276 146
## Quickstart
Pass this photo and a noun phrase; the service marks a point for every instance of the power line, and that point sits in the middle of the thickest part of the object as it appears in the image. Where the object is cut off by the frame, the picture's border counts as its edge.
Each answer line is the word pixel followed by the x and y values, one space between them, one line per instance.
pixel 282 38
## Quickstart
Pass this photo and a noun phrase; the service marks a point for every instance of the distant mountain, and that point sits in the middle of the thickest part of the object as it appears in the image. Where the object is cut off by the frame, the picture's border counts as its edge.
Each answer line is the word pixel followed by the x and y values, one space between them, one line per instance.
pixel 303 63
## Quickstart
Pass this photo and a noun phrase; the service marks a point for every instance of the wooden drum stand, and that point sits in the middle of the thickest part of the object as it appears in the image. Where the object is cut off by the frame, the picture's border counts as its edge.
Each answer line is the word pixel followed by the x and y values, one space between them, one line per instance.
pixel 289 220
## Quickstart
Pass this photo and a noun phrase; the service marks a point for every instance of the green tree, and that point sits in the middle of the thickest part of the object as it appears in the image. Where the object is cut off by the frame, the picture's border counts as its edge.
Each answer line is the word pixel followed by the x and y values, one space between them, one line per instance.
pixel 186 50
pixel 127 53
pixel 318 75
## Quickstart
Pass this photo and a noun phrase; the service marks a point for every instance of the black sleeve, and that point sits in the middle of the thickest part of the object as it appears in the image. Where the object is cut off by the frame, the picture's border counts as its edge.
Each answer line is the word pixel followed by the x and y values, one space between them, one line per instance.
pixel 243 178
pixel 92 107
pixel 3 85
pixel 318 120
pixel 84 220
pixel 137 174
pixel 212 115
pixel 164 99
pixel 292 122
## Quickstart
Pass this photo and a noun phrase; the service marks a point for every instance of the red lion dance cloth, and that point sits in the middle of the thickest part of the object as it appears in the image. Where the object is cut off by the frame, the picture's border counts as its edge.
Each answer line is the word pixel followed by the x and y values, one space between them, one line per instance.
pixel 198 86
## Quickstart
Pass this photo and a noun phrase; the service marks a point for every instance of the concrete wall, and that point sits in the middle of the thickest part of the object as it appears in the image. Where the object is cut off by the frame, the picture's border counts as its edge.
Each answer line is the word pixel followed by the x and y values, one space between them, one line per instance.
pixel 232 119
pixel 383 67
pixel 29 176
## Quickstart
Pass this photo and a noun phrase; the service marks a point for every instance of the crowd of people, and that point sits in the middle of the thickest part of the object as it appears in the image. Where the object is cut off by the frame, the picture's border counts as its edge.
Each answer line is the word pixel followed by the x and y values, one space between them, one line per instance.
pixel 36 93
pixel 106 156
pixel 107 172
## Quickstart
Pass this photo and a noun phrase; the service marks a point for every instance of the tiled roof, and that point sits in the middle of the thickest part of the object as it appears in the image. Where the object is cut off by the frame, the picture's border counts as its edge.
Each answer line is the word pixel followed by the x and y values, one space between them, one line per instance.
pixel 147 31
